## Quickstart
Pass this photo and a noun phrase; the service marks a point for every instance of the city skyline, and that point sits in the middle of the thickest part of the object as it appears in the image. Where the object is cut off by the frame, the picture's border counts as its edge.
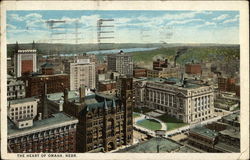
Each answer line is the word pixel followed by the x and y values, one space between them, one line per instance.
pixel 135 26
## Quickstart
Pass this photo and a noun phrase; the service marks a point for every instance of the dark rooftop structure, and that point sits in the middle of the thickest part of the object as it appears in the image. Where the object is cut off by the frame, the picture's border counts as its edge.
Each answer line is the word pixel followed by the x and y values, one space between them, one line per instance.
pixel 157 145
pixel 205 132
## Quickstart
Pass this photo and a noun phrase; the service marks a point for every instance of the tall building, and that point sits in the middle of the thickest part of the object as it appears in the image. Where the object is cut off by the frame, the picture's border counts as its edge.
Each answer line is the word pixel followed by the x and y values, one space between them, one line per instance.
pixel 180 98
pixel 122 63
pixel 25 62
pixel 82 72
pixel 56 134
pixel 15 88
pixel 105 122
pixel 226 84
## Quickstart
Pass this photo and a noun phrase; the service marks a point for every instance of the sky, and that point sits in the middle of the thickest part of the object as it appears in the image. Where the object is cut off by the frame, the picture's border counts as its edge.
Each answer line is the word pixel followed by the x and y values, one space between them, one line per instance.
pixel 131 26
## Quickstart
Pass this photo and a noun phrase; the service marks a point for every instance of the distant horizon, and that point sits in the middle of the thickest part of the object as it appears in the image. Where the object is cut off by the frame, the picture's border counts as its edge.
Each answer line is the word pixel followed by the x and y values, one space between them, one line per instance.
pixel 128 26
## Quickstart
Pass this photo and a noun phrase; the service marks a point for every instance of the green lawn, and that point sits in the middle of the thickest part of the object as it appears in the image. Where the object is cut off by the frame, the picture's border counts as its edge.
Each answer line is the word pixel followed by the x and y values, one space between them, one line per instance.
pixel 171 122
pixel 143 110
pixel 136 115
pixel 150 124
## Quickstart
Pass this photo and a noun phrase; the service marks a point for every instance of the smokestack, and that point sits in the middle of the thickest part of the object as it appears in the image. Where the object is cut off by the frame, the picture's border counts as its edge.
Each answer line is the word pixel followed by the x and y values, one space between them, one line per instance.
pixel 40 116
pixel 44 101
pixel 65 95
pixel 82 93
pixel 182 78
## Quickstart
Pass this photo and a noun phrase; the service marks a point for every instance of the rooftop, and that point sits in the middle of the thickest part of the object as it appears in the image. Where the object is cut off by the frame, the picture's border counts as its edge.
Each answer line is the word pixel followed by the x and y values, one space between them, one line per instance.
pixel 233 117
pixel 204 132
pixel 57 120
pixel 231 131
pixel 47 65
pixel 175 81
pixel 23 100
pixel 150 146
pixel 229 148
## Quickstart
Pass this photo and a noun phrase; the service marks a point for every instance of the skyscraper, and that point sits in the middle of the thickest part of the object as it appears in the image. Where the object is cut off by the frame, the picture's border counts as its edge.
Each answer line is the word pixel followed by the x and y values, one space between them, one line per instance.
pixel 121 63
pixel 24 61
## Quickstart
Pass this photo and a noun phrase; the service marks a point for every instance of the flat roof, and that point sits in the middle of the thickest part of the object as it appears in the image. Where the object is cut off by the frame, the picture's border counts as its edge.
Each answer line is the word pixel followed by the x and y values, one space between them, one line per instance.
pixel 150 146
pixel 204 132
pixel 231 131
pixel 229 148
pixel 233 117
pixel 175 82
pixel 186 149
pixel 57 120
pixel 23 100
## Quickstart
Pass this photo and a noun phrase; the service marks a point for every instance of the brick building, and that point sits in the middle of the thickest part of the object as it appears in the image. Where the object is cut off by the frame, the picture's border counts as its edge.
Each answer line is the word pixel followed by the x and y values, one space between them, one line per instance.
pixel 107 85
pixel 193 68
pixel 56 134
pixel 25 62
pixel 226 84
pixel 158 64
pixel 105 122
pixel 139 72
pixel 55 82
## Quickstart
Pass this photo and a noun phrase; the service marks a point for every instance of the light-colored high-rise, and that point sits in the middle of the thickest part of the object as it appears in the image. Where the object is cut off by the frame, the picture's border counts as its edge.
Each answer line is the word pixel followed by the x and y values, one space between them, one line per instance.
pixel 82 73
pixel 121 63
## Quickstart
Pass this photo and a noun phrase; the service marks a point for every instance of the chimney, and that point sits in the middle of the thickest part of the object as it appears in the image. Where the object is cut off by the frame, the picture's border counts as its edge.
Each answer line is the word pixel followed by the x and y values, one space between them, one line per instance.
pixel 182 78
pixel 81 93
pixel 40 116
pixel 65 95
pixel 44 101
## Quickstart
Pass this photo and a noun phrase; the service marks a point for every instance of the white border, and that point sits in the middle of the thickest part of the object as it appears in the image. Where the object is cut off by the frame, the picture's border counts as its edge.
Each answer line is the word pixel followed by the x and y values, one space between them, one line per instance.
pixel 242 6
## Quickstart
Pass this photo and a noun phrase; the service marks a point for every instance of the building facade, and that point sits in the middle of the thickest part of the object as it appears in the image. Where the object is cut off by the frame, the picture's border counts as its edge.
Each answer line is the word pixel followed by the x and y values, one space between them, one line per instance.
pixel 82 72
pixel 122 63
pixel 164 72
pixel 55 83
pixel 139 72
pixel 203 138
pixel 25 62
pixel 24 108
pixel 193 68
pixel 15 88
pixel 56 134
pixel 105 122
pixel 226 84
pixel 186 101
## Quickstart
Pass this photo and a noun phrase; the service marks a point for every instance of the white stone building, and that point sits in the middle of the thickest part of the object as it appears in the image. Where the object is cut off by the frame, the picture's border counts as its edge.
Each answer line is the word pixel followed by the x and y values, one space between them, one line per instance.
pixel 21 109
pixel 82 73
pixel 15 88
pixel 182 99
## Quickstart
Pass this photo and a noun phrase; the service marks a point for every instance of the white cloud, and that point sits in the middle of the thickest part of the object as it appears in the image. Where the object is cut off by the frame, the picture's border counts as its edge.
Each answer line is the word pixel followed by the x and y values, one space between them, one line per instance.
pixel 185 21
pixel 235 19
pixel 221 17
pixel 15 17
pixel 205 24
pixel 10 26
